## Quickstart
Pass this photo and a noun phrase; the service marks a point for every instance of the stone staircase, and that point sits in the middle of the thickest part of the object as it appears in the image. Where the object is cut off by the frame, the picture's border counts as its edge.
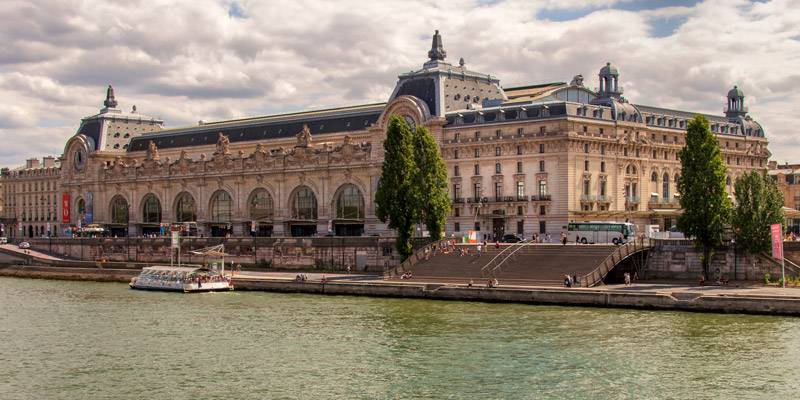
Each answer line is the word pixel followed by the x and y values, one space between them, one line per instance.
pixel 540 264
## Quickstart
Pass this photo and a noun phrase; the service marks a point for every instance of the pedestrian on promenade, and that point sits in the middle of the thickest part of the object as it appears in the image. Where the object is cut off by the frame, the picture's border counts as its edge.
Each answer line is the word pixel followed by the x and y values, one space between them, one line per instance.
pixel 547 238
pixel 563 239
pixel 496 245
pixel 479 249
pixel 576 280
pixel 567 281
pixel 627 276
pixel 470 283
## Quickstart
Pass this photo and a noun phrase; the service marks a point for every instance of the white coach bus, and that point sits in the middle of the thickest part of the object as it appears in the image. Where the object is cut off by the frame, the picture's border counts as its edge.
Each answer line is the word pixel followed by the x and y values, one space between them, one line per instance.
pixel 601 232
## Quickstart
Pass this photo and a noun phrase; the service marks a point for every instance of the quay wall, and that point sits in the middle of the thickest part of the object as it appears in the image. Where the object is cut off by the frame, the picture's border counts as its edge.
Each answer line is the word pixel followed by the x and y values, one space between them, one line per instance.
pixel 638 299
pixel 679 260
pixel 375 254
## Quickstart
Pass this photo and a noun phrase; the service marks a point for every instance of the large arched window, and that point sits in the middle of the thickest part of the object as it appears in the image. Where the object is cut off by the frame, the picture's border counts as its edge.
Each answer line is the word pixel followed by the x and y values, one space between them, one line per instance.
pixel 654 177
pixel 261 205
pixel 221 206
pixel 666 186
pixel 81 206
pixel 185 208
pixel 304 204
pixel 350 203
pixel 119 210
pixel 151 209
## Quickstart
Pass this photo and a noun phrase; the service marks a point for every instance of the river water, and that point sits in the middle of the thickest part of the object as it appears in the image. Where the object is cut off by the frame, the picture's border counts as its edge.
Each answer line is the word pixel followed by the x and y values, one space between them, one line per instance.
pixel 83 340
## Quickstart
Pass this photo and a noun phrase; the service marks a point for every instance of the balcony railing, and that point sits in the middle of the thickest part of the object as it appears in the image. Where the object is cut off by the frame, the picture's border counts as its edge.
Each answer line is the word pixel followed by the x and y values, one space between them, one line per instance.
pixel 587 197
pixel 541 197
pixel 632 199
pixel 603 198
pixel 664 200
pixel 458 200
pixel 477 199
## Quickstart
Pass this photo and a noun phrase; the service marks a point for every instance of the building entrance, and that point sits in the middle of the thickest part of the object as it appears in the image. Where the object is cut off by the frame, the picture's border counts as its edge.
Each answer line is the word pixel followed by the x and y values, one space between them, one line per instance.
pixel 498 228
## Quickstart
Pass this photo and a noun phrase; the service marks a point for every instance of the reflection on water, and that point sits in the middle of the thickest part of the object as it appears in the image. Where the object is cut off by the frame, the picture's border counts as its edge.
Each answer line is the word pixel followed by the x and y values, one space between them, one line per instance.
pixel 81 340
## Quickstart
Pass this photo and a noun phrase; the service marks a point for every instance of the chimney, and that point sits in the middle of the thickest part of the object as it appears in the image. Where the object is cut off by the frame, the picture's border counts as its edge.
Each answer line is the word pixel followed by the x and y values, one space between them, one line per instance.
pixel 32 163
pixel 49 162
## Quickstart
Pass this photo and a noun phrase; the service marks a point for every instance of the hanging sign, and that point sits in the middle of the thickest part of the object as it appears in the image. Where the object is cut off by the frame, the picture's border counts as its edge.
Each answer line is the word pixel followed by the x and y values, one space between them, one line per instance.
pixel 777 241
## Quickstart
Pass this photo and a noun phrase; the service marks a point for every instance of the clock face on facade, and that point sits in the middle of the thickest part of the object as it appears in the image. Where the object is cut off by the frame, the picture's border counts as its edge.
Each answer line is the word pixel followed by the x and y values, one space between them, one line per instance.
pixel 79 159
pixel 410 122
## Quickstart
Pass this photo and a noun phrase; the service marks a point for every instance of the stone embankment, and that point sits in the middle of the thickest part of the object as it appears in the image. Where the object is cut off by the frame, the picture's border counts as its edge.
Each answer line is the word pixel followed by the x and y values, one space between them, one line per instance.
pixel 768 301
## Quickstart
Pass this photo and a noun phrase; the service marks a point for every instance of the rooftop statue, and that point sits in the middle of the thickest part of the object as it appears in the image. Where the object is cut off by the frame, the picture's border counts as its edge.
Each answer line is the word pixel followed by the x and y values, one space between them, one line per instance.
pixel 304 137
pixel 152 152
pixel 223 145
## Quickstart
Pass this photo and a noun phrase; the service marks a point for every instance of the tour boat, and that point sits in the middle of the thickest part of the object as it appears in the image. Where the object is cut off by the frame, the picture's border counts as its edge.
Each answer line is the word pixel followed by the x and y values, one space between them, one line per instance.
pixel 181 279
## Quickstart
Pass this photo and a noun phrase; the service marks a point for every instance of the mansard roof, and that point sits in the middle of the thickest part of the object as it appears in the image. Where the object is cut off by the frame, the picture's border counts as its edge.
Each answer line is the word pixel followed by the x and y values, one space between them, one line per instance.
pixel 320 122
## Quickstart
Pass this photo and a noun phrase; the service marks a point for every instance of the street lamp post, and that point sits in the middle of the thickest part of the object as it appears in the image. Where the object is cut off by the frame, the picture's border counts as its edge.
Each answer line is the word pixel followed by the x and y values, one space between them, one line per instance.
pixel 735 275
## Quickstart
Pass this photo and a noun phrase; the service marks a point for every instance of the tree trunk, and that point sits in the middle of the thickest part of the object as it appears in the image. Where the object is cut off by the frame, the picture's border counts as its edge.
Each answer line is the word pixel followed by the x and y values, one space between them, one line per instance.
pixel 707 254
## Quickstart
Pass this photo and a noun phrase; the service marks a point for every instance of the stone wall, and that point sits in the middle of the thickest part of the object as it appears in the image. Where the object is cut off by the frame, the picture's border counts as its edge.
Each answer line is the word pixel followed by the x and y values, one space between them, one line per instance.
pixel 332 253
pixel 678 259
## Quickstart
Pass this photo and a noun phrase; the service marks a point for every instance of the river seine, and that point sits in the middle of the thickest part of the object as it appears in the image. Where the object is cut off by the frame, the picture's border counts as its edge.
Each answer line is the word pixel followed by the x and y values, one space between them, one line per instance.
pixel 83 340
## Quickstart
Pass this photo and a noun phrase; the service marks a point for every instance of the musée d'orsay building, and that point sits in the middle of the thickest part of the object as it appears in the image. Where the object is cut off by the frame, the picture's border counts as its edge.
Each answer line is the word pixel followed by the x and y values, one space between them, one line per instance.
pixel 520 160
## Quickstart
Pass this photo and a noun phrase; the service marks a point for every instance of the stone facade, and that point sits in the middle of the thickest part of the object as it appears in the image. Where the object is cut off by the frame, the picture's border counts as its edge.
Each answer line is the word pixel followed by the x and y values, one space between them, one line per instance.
pixel 521 160
pixel 30 199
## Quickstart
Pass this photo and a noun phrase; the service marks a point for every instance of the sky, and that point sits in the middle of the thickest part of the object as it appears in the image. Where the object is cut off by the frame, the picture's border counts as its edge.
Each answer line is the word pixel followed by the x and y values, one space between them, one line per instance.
pixel 185 61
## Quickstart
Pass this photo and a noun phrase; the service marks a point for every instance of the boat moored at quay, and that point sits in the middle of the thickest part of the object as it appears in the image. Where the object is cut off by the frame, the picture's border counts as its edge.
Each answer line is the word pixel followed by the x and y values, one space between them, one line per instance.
pixel 181 279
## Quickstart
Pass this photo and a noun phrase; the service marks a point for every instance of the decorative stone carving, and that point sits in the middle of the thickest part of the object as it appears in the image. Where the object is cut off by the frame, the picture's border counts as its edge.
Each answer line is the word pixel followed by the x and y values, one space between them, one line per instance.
pixel 304 137
pixel 223 145
pixel 152 152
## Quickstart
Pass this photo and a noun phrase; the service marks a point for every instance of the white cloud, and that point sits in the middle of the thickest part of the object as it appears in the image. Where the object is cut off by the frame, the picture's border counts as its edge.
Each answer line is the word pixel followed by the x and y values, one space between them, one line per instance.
pixel 185 61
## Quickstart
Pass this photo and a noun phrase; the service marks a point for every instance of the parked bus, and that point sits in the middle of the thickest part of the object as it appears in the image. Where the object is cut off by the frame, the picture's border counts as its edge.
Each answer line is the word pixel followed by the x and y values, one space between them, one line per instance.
pixel 601 232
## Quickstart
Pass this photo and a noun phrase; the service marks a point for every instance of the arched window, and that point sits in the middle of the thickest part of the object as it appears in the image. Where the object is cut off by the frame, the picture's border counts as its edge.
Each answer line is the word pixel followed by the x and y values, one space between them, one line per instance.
pixel 185 208
pixel 119 210
pixel 261 205
pixel 633 169
pixel 81 206
pixel 628 170
pixel 350 203
pixel 151 209
pixel 666 186
pixel 304 204
pixel 654 177
pixel 221 206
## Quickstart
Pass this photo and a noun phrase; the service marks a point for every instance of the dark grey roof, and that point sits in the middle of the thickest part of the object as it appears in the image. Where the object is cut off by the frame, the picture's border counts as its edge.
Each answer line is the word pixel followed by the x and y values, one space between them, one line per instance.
pixel 265 128
pixel 609 69
pixel 735 93
pixel 533 111
pixel 678 113
pixel 91 128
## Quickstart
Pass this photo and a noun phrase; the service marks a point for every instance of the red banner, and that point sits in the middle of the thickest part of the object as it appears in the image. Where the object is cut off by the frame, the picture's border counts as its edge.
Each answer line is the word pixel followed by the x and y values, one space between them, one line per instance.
pixel 777 241
pixel 65 208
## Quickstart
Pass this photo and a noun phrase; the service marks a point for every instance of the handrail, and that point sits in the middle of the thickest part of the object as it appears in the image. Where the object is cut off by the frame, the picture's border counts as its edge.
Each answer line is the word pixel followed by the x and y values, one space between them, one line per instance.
pixel 413 259
pixel 508 248
pixel 605 266
pixel 496 267
pixel 786 261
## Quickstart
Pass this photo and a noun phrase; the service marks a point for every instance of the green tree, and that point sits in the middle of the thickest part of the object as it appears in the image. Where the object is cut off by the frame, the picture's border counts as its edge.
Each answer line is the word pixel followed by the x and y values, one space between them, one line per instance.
pixel 395 197
pixel 706 207
pixel 759 205
pixel 430 183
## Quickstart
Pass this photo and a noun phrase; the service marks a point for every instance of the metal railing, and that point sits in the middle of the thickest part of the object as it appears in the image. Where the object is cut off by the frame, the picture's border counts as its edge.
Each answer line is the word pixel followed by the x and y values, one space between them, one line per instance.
pixel 498 255
pixel 621 253
pixel 414 259
pixel 506 258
